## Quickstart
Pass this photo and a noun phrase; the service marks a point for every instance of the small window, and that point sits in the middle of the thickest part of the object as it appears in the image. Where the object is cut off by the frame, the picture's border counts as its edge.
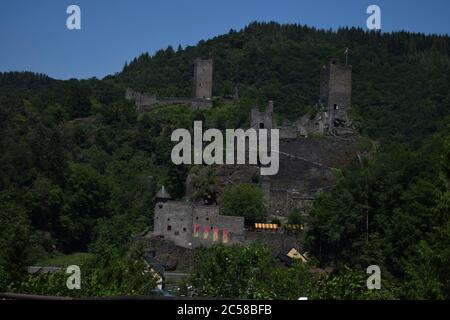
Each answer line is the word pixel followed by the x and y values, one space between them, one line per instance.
pixel 207 219
pixel 176 233
pixel 261 125
pixel 169 228
pixel 168 219
pixel 184 229
pixel 336 107
pixel 196 218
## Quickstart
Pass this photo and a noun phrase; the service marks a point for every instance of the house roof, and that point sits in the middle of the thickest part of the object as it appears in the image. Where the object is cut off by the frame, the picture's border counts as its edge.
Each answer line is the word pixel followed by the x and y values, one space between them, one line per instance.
pixel 159 268
pixel 285 259
pixel 163 194
pixel 294 254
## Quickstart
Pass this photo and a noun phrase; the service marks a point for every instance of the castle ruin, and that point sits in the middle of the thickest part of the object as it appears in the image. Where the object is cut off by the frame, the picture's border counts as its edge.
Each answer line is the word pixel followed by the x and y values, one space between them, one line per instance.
pixel 203 81
pixel 330 113
pixel 336 94
pixel 203 78
pixel 191 225
pixel 310 147
pixel 262 119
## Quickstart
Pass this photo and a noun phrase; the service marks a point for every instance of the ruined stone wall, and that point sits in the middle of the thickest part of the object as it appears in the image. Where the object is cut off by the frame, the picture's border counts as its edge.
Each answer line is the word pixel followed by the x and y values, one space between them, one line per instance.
pixel 191 102
pixel 200 104
pixel 276 242
pixel 290 132
pixel 146 101
pixel 203 81
pixel 278 204
pixel 141 99
pixel 327 150
pixel 305 169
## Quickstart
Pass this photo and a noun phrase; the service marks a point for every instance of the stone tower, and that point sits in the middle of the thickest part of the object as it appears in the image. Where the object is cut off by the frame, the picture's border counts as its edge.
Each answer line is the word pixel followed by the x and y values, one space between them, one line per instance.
pixel 336 92
pixel 203 78
pixel 262 119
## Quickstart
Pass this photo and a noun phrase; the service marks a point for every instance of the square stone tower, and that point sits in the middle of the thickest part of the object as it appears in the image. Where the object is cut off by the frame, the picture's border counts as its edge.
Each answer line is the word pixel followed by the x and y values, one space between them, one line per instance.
pixel 336 91
pixel 262 119
pixel 203 78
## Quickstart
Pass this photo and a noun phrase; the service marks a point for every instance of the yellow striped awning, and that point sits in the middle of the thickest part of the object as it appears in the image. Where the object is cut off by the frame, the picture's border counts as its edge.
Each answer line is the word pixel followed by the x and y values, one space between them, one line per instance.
pixel 266 226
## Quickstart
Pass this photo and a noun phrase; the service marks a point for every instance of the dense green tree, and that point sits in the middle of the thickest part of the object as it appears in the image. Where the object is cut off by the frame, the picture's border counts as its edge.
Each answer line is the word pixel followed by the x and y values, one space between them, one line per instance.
pixel 251 272
pixel 296 217
pixel 87 198
pixel 15 232
pixel 244 200
pixel 114 273
pixel 80 166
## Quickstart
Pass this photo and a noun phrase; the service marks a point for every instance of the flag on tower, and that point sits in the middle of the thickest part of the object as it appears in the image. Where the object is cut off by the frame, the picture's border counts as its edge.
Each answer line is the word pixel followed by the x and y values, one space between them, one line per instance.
pixel 216 234
pixel 225 235
pixel 196 230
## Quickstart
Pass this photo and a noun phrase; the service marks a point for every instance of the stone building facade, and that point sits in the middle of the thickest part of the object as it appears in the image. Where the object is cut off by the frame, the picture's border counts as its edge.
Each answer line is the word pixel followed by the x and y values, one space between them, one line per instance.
pixel 191 225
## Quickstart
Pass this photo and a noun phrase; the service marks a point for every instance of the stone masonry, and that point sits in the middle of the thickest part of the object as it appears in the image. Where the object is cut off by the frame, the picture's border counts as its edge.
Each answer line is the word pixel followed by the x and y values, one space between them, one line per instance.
pixel 190 225
pixel 203 82
pixel 311 146
pixel 203 78
pixel 336 92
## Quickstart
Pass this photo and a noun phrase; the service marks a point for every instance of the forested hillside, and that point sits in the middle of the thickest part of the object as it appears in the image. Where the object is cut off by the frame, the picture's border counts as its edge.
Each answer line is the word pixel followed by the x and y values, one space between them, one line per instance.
pixel 80 167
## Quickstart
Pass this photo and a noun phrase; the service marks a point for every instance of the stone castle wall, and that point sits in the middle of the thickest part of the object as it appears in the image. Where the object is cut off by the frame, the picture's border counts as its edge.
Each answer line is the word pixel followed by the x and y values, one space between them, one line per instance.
pixel 203 82
pixel 146 102
pixel 310 147
pixel 306 169
pixel 191 226
pixel 181 259
pixel 276 241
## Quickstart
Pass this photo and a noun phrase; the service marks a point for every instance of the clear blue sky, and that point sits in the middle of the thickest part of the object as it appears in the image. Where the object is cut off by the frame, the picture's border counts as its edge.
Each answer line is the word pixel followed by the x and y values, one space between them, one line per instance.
pixel 34 37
